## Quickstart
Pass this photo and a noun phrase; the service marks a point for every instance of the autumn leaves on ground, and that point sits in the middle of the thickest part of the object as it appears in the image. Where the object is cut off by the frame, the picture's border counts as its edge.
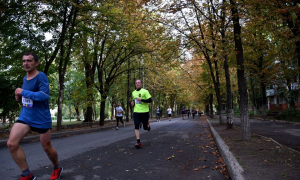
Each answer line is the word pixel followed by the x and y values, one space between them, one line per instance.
pixel 260 157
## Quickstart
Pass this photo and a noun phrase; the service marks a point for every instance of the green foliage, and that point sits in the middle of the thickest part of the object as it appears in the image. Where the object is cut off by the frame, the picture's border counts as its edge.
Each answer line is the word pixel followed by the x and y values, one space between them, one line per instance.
pixel 8 105
pixel 289 115
pixel 236 111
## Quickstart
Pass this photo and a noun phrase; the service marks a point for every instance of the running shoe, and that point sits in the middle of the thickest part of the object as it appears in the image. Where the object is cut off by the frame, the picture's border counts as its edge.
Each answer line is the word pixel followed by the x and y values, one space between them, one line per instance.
pixel 138 145
pixel 31 177
pixel 56 173
pixel 117 128
pixel 149 128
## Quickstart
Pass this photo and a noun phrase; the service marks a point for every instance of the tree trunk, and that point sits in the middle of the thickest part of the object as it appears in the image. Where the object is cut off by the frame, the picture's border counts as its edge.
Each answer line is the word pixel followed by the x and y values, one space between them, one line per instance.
pixel 242 86
pixel 63 62
pixel 102 111
pixel 77 112
pixel 229 109
pixel 298 57
pixel 211 97
pixel 218 94
pixel 264 99
pixel 60 100
pixel 113 102
pixel 128 93
pixel 89 114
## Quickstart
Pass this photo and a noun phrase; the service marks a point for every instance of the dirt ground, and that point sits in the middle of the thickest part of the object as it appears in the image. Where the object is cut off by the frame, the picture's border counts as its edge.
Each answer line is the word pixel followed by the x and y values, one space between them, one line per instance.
pixel 260 157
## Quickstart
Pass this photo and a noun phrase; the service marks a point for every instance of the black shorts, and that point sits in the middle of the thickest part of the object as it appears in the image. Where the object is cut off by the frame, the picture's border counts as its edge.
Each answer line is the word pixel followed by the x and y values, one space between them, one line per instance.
pixel 169 115
pixel 38 130
pixel 139 118
pixel 119 118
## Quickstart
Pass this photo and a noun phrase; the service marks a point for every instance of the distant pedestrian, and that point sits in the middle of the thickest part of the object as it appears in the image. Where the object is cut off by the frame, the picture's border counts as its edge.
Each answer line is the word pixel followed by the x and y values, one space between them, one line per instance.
pixel 169 110
pixel 188 112
pixel 193 112
pixel 183 112
pixel 141 110
pixel 35 115
pixel 119 116
pixel 157 113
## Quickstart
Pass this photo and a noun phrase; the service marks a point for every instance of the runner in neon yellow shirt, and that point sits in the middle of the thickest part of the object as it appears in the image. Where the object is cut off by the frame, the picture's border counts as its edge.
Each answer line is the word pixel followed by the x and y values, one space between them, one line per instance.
pixel 141 99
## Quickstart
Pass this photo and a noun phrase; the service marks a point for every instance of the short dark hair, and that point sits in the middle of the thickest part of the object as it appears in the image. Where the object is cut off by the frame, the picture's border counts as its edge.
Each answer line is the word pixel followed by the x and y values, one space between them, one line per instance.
pixel 32 54
pixel 139 80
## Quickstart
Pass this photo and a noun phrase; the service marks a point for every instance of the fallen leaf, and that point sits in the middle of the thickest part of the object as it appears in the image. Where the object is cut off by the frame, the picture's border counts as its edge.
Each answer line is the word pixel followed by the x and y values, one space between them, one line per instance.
pixel 214 153
pixel 201 158
pixel 169 158
pixel 196 169
pixel 180 151
pixel 215 168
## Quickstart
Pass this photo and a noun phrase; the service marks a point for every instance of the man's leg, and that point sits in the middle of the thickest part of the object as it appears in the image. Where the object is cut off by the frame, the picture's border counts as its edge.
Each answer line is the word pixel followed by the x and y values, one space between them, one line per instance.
pixel 45 139
pixel 17 133
pixel 50 151
pixel 117 118
pixel 137 133
pixel 138 144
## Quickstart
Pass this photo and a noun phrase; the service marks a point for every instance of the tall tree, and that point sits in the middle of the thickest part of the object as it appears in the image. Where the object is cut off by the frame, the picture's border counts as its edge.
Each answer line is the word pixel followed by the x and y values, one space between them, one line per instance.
pixel 244 114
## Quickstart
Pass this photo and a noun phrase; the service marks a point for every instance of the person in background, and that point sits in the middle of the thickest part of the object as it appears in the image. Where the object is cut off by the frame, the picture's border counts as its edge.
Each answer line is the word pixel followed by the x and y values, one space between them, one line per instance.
pixel 188 112
pixel 193 112
pixel 119 116
pixel 183 112
pixel 157 113
pixel 169 110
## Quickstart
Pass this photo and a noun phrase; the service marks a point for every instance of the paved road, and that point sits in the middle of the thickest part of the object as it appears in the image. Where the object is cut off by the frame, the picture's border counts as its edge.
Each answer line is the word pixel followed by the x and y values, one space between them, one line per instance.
pixel 285 133
pixel 110 154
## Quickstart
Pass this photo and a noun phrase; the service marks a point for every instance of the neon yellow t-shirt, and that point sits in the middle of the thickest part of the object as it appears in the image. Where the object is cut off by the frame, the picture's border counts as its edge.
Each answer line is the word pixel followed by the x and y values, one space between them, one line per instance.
pixel 141 107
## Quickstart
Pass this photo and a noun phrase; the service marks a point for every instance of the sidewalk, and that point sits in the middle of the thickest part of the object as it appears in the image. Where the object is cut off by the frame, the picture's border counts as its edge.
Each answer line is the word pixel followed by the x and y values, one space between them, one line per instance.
pixel 234 168
pixel 271 154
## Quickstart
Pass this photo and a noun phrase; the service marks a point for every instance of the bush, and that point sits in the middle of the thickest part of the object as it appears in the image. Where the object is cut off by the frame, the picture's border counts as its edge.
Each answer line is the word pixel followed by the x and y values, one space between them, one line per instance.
pixel 251 113
pixel 289 115
pixel 236 111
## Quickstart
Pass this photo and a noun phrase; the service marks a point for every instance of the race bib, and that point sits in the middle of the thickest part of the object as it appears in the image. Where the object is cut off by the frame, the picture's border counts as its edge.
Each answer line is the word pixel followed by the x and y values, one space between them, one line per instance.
pixel 138 102
pixel 27 102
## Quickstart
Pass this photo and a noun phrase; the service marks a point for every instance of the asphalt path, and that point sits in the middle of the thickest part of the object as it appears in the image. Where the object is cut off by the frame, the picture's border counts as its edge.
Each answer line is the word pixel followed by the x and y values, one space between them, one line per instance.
pixel 177 149
pixel 285 133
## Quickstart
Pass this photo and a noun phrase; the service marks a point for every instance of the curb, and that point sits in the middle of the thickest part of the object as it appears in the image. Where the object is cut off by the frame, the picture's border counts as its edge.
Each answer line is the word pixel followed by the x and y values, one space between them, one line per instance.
pixel 234 168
